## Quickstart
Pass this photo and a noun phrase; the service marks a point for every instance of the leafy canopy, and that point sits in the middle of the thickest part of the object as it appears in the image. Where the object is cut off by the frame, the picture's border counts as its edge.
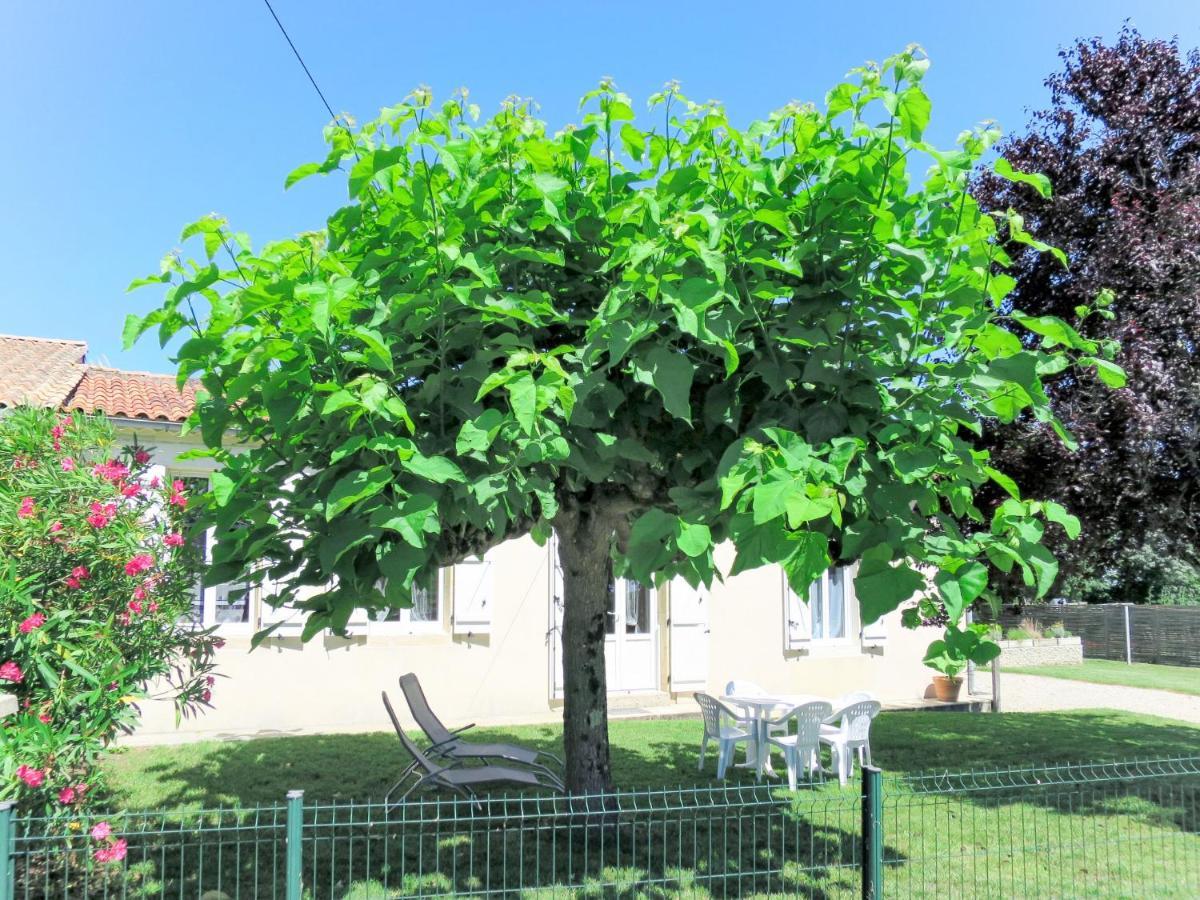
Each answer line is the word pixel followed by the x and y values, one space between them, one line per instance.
pixel 774 336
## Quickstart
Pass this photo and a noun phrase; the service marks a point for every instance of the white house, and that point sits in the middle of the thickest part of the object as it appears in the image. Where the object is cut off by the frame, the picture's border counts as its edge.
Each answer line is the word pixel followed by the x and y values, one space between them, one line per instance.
pixel 486 644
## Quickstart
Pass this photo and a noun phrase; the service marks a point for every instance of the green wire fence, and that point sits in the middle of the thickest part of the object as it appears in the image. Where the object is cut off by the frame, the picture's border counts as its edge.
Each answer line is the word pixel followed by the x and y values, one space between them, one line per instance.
pixel 1119 830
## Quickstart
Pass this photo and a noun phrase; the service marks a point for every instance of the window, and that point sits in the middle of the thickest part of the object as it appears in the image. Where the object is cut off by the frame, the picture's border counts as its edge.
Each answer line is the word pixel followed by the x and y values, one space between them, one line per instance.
pixel 635 607
pixel 222 604
pixel 827 602
pixel 425 614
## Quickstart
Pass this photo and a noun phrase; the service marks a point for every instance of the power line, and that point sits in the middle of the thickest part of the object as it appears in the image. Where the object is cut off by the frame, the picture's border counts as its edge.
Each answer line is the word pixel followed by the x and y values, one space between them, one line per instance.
pixel 300 59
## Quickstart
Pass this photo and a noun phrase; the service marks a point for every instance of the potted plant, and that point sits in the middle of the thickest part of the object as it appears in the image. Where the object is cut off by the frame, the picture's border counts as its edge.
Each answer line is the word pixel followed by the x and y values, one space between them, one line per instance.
pixel 949 656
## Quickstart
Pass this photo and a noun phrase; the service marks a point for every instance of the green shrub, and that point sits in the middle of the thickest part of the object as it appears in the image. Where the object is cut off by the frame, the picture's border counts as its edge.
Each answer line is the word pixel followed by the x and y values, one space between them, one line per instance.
pixel 1018 634
pixel 95 577
pixel 1057 630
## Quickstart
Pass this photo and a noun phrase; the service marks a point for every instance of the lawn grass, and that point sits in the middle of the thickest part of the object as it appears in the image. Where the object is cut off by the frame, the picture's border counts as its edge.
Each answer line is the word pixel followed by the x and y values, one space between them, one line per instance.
pixel 1181 679
pixel 1116 837
pixel 646 754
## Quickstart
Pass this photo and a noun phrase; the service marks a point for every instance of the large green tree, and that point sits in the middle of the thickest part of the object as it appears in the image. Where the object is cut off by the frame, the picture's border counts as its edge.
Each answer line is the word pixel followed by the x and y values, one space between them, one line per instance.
pixel 647 341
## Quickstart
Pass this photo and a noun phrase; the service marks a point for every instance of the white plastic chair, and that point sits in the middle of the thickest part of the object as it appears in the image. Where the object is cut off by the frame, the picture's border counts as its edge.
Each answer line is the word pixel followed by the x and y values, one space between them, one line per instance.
pixel 800 747
pixel 853 733
pixel 847 700
pixel 721 724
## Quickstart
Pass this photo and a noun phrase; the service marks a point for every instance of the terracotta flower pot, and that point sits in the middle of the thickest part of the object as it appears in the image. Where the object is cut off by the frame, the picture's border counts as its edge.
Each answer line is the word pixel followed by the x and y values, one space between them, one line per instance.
pixel 947 688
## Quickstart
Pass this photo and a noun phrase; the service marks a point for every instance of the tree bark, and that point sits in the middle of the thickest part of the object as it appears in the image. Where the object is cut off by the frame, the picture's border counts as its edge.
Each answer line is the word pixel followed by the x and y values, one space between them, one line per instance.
pixel 584 548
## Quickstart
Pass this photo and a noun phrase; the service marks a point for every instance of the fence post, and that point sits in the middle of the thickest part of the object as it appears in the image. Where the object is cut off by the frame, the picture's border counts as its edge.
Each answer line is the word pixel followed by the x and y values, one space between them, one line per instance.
pixel 295 824
pixel 872 833
pixel 7 875
pixel 1128 640
pixel 996 685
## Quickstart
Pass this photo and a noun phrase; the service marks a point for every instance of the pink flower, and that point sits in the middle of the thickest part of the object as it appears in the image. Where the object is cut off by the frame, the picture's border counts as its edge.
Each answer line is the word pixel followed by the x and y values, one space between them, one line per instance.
pixel 45 718
pixel 101 831
pixel 10 671
pixel 68 464
pixel 139 592
pixel 56 527
pixel 177 486
pixel 174 539
pixel 210 680
pixel 206 696
pixel 102 514
pixel 179 500
pixel 135 607
pixel 81 572
pixel 56 444
pixel 111 854
pixel 141 457
pixel 153 607
pixel 26 508
pixel 139 564
pixel 132 489
pixel 67 796
pixel 114 470
pixel 57 432
pixel 32 777
pixel 34 621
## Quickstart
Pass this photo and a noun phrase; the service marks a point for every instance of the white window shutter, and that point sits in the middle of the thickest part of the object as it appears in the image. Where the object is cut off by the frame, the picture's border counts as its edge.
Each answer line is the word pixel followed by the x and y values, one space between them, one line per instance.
pixel 473 596
pixel 875 634
pixel 797 622
pixel 689 636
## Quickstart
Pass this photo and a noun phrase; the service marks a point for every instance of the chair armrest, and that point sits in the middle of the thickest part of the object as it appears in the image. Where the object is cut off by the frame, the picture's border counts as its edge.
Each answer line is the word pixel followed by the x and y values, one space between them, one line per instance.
pixel 461 730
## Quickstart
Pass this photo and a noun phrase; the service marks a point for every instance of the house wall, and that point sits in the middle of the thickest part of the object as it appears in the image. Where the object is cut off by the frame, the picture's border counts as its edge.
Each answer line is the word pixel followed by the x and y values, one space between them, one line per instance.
pixel 332 684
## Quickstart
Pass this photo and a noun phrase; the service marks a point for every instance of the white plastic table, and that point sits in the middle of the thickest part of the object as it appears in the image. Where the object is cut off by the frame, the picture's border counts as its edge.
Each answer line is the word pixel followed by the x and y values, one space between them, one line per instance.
pixel 759 711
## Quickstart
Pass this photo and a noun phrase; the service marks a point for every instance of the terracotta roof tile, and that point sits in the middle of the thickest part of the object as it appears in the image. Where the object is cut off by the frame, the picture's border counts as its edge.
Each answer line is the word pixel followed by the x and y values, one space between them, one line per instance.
pixel 132 395
pixel 39 371
pixel 55 373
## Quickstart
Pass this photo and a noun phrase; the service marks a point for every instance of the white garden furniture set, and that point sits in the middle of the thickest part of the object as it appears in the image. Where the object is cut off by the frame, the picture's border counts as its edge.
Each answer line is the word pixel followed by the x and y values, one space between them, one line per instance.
pixel 798 725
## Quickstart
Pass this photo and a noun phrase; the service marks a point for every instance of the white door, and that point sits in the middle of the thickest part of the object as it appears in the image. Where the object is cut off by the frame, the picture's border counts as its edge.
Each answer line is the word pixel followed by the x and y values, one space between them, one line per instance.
pixel 631 641
pixel 631 644
pixel 689 636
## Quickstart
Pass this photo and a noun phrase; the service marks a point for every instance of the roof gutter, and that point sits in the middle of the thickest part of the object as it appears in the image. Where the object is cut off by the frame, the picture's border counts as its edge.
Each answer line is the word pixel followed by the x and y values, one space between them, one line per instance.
pixel 147 424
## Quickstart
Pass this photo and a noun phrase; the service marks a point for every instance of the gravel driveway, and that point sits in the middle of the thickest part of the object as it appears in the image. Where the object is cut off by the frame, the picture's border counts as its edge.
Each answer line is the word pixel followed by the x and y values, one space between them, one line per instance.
pixel 1031 693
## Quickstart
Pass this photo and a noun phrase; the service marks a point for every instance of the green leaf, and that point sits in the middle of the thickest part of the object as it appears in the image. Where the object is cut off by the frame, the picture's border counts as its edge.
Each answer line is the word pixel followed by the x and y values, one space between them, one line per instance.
pixel 807 561
pixel 222 487
pixel 1056 512
pixel 437 469
pixel 1009 486
pixel 913 109
pixel 881 586
pixel 300 173
pixel 355 487
pixel 1038 182
pixel 1109 373
pixel 694 539
pixel 670 373
pixel 959 589
pixel 522 395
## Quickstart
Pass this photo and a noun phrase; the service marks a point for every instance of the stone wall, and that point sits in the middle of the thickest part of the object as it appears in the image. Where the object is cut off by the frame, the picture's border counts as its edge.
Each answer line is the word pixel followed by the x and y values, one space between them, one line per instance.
pixel 1066 651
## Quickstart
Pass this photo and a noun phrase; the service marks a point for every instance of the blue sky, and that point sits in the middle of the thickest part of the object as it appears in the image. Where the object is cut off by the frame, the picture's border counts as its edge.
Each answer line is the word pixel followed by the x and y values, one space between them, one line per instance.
pixel 123 121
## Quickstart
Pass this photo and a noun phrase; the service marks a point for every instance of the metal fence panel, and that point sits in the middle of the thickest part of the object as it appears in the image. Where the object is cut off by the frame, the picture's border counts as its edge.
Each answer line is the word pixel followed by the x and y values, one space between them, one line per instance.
pixel 1092 830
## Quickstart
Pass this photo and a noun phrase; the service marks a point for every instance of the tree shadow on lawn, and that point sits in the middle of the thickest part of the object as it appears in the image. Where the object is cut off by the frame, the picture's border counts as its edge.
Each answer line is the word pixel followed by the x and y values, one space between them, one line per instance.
pixel 805 844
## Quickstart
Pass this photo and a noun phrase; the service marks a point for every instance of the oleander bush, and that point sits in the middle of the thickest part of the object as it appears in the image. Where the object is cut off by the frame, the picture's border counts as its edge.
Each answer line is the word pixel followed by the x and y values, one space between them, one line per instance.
pixel 96 577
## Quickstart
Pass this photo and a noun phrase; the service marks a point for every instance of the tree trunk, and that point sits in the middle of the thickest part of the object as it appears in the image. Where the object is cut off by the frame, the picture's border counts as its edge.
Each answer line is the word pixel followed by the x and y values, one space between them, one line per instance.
pixel 584 542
